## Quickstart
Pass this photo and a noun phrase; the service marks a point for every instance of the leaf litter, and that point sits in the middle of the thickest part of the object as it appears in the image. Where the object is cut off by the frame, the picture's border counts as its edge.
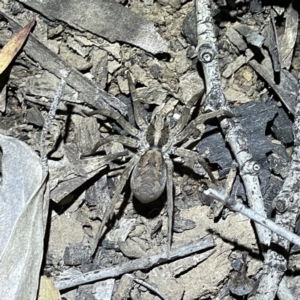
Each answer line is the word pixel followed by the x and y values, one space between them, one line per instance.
pixel 96 63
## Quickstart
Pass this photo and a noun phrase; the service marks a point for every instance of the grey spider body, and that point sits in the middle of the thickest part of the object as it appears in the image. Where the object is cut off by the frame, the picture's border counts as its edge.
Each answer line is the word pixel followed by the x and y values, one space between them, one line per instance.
pixel 151 168
pixel 149 177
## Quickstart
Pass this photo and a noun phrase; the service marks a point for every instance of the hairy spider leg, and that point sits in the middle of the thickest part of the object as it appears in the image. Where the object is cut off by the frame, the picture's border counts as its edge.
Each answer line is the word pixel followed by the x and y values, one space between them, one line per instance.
pixel 186 113
pixel 125 140
pixel 189 154
pixel 189 129
pixel 118 118
pixel 110 208
pixel 140 121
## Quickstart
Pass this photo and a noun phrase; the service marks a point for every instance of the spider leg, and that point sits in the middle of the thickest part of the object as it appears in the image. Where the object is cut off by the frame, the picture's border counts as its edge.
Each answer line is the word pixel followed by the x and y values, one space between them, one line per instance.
pixel 189 129
pixel 170 205
pixel 124 140
pixel 118 118
pixel 186 112
pixel 110 209
pixel 140 121
pixel 189 154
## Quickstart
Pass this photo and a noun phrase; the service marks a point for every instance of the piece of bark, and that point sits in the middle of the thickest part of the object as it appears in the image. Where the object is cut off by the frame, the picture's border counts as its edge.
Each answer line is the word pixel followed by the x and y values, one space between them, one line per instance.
pixel 86 133
pixel 252 36
pixel 236 39
pixel 88 90
pixel 46 85
pixel 272 43
pixel 288 84
pixel 105 18
pixel 288 39
pixel 3 91
pixel 188 28
pixel 275 184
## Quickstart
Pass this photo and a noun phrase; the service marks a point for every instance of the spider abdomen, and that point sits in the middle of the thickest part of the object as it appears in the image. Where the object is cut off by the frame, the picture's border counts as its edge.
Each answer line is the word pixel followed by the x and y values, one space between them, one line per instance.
pixel 149 176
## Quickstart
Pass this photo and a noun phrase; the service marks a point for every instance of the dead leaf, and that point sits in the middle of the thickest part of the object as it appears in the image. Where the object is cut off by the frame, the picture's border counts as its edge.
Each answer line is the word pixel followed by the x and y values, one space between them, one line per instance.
pixel 21 220
pixel 105 18
pixel 47 290
pixel 9 51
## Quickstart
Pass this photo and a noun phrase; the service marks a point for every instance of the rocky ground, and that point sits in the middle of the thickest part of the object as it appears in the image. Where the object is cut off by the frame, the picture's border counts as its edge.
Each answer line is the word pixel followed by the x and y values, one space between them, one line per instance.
pixel 156 41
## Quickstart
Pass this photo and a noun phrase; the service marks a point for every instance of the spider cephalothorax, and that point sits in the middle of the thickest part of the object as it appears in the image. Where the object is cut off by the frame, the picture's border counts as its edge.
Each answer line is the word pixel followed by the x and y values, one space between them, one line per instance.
pixel 151 167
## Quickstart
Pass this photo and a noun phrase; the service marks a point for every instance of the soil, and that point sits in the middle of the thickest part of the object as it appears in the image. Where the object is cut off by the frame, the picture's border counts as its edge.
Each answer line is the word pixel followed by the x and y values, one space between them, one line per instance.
pixel 165 80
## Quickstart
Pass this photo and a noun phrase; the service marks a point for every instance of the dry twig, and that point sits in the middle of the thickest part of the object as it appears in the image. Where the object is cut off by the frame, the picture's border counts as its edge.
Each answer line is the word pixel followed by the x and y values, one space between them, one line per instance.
pixel 49 118
pixel 287 205
pixel 253 215
pixel 287 202
pixel 138 264
pixel 215 100
pixel 148 286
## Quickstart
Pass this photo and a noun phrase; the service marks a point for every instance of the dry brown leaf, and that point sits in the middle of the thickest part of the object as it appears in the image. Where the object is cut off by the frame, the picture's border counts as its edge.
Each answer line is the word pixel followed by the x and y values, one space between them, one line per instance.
pixel 9 51
pixel 47 290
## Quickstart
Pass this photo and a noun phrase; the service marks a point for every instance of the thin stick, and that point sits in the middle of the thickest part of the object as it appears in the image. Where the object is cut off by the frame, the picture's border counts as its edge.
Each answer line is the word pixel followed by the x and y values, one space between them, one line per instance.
pixel 148 286
pixel 253 215
pixel 49 118
pixel 134 265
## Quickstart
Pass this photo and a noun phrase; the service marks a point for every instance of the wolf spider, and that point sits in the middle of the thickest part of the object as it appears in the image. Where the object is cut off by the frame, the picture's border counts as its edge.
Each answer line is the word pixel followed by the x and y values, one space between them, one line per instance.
pixel 151 168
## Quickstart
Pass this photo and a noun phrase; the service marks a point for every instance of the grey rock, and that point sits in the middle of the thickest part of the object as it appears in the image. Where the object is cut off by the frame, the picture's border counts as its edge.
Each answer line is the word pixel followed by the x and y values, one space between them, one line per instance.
pixel 189 28
pixel 155 70
pixel 254 128
pixel 256 6
pixel 182 224
pixel 274 187
pixel 85 292
pixel 35 117
pixel 279 161
pixel 283 127
pixel 77 254
pixel 255 39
